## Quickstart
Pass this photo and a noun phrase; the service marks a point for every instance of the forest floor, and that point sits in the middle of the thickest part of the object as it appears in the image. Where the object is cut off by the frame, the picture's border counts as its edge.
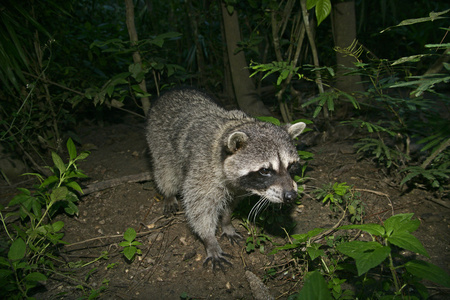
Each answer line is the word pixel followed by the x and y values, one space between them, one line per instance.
pixel 171 264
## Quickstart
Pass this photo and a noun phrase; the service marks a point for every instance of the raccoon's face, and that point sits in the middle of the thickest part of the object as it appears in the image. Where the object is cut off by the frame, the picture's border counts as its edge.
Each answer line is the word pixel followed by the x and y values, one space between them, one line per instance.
pixel 262 162
pixel 273 182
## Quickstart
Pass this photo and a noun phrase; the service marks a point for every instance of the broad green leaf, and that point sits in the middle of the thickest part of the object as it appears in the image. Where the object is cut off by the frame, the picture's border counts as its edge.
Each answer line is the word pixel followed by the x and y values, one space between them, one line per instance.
pixel 301 238
pixel 49 180
pixel 356 248
pixel 35 276
pixel 129 252
pixel 425 270
pixel 369 260
pixel 323 9
pixel 83 155
pixel 314 251
pixel 17 250
pixel 57 226
pixel 124 244
pixel 130 234
pixel 367 255
pixel 407 241
pixel 58 162
pixel 71 149
pixel 59 193
pixel 399 223
pixel 19 199
pixel 314 287
pixel 70 208
pixel 373 229
pixel 74 185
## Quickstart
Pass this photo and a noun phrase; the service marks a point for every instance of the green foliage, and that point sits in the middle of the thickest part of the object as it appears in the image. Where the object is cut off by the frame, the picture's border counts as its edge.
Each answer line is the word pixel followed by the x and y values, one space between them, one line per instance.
pixel 344 197
pixel 257 239
pixel 381 254
pixel 282 67
pixel 117 88
pixel 328 100
pixel 33 243
pixel 94 293
pixel 382 152
pixel 435 177
pixel 314 287
pixel 322 8
pixel 129 244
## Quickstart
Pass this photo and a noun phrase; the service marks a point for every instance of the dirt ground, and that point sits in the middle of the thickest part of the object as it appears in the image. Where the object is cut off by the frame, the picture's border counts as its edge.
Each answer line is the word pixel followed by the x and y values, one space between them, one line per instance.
pixel 170 266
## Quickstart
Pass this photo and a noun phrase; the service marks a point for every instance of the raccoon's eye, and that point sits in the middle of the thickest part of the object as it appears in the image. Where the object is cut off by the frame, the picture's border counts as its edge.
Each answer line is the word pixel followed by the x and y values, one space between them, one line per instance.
pixel 265 172
pixel 293 168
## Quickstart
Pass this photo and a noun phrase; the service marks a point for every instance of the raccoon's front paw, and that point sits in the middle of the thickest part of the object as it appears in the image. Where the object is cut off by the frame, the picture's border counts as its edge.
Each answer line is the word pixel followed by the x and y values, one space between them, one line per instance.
pixel 218 260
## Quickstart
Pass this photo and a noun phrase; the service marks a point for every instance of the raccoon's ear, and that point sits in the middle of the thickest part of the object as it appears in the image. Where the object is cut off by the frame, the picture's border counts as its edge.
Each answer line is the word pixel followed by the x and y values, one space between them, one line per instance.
pixel 294 130
pixel 236 141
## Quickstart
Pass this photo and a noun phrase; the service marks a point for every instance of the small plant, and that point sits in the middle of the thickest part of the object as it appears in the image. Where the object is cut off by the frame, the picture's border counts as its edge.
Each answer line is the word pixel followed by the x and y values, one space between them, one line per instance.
pixel 94 293
pixel 33 243
pixel 129 244
pixel 256 240
pixel 371 259
pixel 344 197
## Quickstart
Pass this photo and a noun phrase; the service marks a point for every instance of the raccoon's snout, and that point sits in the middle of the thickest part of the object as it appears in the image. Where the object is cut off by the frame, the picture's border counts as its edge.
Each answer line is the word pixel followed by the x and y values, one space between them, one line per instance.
pixel 290 196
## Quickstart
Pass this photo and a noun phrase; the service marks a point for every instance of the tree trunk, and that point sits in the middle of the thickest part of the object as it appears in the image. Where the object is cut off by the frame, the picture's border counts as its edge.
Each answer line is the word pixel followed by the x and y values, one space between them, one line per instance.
pixel 145 101
pixel 244 88
pixel 344 29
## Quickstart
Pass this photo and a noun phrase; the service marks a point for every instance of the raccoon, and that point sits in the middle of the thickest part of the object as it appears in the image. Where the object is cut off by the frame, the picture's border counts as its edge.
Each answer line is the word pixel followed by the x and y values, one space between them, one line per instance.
pixel 208 155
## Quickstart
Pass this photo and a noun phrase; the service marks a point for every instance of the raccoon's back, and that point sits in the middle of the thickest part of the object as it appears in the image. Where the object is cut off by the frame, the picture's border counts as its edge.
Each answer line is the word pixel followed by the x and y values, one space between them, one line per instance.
pixel 186 124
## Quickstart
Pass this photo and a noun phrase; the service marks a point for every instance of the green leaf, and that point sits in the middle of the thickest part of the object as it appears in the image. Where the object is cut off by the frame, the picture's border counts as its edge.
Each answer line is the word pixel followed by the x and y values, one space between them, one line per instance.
pixel 401 223
pixel 314 287
pixel 49 180
pixel 272 120
pixel 58 194
pixel 58 162
pixel 373 229
pixel 83 155
pixel 130 234
pixel 71 149
pixel 323 9
pixel 407 241
pixel 314 251
pixel 35 276
pixel 70 208
pixel 17 250
pixel 74 185
pixel 301 238
pixel 57 226
pixel 129 252
pixel 432 16
pixel 428 271
pixel 367 255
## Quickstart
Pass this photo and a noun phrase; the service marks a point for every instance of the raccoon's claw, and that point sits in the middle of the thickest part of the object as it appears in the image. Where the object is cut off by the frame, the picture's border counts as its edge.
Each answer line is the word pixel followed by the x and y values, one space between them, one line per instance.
pixel 234 237
pixel 218 261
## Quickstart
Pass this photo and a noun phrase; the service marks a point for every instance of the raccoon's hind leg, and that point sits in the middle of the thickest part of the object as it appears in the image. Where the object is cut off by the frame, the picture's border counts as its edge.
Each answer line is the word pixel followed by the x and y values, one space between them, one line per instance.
pixel 168 183
pixel 170 205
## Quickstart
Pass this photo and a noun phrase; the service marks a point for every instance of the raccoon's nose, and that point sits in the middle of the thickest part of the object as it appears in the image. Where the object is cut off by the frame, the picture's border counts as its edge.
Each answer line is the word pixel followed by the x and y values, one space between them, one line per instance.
pixel 289 196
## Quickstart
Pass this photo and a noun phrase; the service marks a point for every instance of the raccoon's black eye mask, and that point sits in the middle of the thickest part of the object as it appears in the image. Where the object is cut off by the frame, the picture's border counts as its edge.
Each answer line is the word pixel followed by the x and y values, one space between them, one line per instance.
pixel 294 168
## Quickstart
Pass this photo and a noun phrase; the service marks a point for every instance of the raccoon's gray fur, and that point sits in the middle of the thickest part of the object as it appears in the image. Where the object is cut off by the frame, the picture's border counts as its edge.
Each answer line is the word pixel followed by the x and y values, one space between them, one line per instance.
pixel 206 155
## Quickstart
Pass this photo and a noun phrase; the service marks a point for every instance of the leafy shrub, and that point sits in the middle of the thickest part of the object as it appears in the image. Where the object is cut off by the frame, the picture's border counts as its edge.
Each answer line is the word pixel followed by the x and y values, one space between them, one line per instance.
pixel 33 243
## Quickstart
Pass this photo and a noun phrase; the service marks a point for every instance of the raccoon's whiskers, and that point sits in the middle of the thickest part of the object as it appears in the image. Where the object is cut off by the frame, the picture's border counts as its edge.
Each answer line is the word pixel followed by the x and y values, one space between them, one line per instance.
pixel 257 208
